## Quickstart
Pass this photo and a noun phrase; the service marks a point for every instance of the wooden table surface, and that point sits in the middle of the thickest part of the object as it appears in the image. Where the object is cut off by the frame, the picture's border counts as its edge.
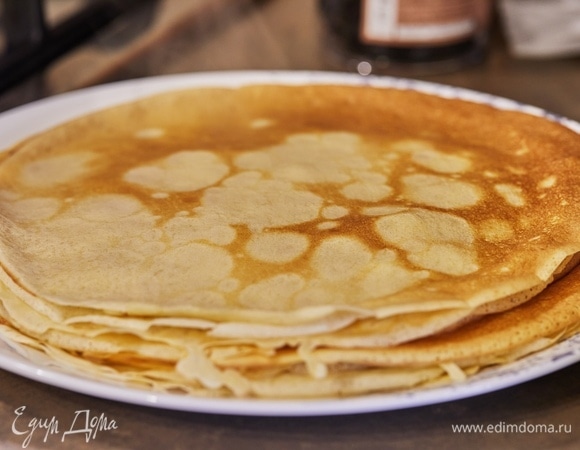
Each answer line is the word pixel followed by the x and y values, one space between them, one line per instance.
pixel 202 35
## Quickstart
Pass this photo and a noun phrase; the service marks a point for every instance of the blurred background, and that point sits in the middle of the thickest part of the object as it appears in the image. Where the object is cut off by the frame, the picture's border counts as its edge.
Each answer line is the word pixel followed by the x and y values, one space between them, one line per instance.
pixel 528 50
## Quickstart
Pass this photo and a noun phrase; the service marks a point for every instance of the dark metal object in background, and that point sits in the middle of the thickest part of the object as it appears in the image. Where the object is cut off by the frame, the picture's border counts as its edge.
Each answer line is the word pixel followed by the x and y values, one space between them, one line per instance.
pixel 31 45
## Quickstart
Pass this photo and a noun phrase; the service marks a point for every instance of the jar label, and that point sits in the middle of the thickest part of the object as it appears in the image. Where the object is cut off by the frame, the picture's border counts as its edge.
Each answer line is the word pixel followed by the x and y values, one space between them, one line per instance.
pixel 418 22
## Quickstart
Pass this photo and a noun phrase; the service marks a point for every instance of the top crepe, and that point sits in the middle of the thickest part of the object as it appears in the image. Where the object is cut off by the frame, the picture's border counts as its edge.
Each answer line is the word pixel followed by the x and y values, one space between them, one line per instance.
pixel 288 206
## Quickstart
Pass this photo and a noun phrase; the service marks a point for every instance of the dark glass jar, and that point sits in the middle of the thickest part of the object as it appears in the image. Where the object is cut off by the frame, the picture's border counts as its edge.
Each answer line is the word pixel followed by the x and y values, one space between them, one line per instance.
pixel 406 36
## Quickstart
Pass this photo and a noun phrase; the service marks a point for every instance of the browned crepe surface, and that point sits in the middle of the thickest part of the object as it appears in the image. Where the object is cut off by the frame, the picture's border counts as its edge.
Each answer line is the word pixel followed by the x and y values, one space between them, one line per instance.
pixel 316 225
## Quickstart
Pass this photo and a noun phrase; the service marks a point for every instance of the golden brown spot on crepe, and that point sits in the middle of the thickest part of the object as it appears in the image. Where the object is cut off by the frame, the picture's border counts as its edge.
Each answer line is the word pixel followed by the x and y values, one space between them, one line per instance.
pixel 388 276
pixel 328 225
pixel 182 230
pixel 258 203
pixel 427 156
pixel 188 170
pixel 277 247
pixel 367 191
pixel 104 208
pixel 309 158
pixel 432 240
pixel 273 293
pixel 516 170
pixel 203 265
pixel 261 123
pixel 548 182
pixel 340 258
pixel 56 170
pixel 512 194
pixel 33 209
pixel 150 133
pixel 441 192
pixel 496 230
pixel 334 212
pixel 522 151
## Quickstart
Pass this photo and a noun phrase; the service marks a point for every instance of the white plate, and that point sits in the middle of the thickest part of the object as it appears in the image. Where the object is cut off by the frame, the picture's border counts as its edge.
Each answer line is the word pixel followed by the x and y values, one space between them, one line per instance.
pixel 32 118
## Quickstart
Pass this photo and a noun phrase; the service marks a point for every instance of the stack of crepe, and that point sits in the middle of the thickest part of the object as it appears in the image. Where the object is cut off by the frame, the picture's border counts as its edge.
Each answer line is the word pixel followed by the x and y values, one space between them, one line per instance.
pixel 281 241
